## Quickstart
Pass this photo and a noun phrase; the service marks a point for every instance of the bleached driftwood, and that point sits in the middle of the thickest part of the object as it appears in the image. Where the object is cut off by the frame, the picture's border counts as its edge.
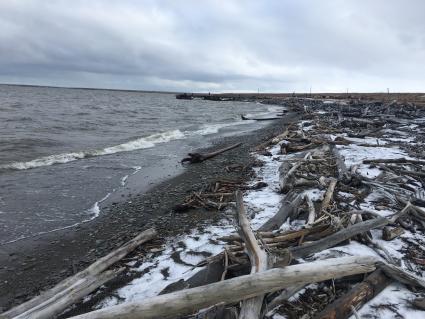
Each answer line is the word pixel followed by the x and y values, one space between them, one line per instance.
pixel 401 275
pixel 78 280
pixel 229 291
pixel 280 137
pixel 58 303
pixel 311 210
pixel 286 178
pixel 214 270
pixel 250 308
pixel 328 195
pixel 343 172
pixel 336 238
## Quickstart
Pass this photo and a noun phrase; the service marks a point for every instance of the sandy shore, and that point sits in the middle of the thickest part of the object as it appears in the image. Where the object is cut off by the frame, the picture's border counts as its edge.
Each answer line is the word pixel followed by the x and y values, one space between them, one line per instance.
pixel 31 265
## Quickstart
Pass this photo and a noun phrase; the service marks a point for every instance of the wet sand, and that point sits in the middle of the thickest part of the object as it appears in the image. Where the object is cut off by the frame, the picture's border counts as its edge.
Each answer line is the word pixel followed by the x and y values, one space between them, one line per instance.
pixel 35 264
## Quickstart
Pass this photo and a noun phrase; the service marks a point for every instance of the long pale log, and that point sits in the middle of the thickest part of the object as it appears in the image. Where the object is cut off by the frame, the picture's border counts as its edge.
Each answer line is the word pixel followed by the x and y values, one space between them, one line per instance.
pixel 229 291
pixel 94 269
pixel 59 302
pixel 356 297
pixel 250 308
pixel 338 237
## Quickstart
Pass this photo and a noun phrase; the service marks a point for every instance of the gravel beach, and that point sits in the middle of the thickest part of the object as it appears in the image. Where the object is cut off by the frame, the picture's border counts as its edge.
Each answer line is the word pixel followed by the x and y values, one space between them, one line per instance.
pixel 35 264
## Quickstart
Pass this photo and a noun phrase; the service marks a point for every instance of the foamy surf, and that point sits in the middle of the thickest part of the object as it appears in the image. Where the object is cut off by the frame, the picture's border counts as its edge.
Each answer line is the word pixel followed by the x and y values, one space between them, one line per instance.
pixel 137 144
pixel 93 212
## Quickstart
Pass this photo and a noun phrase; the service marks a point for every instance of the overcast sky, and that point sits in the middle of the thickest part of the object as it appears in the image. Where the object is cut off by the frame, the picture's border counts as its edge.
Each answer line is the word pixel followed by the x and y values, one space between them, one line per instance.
pixel 274 46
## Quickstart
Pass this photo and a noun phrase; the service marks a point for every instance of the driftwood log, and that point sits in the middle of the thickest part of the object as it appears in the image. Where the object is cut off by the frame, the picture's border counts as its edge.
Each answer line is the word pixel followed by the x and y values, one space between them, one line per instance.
pixel 389 233
pixel 338 237
pixel 289 206
pixel 286 177
pixel 55 300
pixel 260 118
pixel 198 157
pixel 356 297
pixel 250 308
pixel 187 301
pixel 214 270
pixel 328 195
pixel 393 161
pixel 343 172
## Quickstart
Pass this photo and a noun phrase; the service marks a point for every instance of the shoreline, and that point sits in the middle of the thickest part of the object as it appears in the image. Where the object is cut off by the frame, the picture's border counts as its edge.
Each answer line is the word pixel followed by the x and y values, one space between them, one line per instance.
pixel 35 264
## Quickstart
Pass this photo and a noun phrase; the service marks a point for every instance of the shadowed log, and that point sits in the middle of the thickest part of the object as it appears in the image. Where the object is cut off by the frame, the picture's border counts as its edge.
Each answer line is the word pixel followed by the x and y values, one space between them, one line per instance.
pixel 356 297
pixel 198 157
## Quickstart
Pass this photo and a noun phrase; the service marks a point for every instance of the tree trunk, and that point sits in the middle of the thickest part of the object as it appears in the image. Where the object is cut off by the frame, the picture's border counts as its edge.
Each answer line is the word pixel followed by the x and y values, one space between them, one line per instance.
pixel 229 291
pixel 356 297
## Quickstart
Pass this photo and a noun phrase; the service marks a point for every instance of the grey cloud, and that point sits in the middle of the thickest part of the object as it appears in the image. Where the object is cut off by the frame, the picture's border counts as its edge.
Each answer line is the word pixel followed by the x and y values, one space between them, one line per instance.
pixel 214 45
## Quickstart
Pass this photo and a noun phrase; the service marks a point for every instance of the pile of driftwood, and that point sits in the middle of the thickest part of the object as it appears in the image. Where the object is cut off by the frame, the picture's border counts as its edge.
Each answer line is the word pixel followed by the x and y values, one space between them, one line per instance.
pixel 54 301
pixel 259 270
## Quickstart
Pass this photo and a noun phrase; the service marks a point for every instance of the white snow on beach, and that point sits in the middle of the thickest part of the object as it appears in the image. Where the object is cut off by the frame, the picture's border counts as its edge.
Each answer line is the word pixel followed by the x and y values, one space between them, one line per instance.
pixel 158 271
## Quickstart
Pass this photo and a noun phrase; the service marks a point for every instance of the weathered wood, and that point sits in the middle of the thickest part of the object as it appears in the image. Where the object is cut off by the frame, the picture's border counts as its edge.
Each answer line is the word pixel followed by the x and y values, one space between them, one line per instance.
pixel 401 275
pixel 356 297
pixel 364 121
pixel 94 269
pixel 284 295
pixel 198 157
pixel 211 273
pixel 389 233
pixel 228 291
pixel 393 161
pixel 338 237
pixel 280 137
pixel 328 195
pixel 343 172
pixel 59 302
pixel 419 303
pixel 260 118
pixel 250 308
pixel 290 204
pixel 286 180
pixel 311 210
pixel 215 269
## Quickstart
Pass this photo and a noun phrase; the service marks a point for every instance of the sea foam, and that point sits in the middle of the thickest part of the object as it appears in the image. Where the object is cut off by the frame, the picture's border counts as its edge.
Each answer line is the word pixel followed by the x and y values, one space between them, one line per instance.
pixel 137 144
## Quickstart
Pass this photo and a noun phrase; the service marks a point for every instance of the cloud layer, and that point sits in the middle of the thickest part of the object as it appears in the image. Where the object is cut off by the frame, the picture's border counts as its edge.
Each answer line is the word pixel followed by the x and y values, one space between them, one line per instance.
pixel 278 46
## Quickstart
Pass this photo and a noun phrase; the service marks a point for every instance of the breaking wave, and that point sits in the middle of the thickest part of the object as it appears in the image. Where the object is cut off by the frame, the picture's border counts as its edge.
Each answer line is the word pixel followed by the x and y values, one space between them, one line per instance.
pixel 140 143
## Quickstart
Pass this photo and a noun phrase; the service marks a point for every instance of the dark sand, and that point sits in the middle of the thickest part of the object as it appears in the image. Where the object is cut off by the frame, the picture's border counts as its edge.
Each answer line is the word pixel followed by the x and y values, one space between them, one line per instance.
pixel 35 264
